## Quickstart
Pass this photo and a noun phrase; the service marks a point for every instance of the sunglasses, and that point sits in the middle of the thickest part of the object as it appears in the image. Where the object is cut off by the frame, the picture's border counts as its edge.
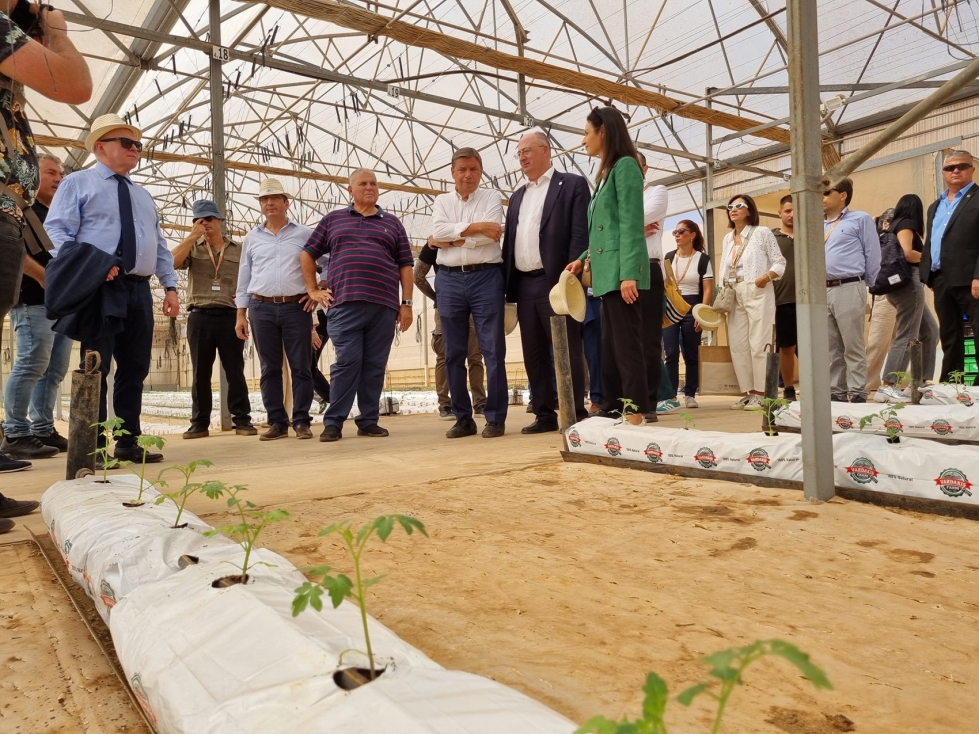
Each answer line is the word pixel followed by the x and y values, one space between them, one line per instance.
pixel 957 167
pixel 739 205
pixel 678 232
pixel 827 192
pixel 125 143
pixel 207 219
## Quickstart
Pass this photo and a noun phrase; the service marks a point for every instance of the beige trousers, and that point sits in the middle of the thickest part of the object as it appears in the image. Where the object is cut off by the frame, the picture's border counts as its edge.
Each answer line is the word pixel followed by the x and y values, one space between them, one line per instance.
pixel 749 331
pixel 883 319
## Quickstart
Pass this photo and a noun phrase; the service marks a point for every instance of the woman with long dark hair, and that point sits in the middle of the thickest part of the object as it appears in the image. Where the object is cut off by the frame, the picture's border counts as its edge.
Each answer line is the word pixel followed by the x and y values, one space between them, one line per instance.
pixel 695 279
pixel 750 262
pixel 618 261
pixel 914 318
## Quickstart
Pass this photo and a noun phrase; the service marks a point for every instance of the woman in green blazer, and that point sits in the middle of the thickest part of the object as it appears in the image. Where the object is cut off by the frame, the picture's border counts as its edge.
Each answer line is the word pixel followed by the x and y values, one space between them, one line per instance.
pixel 619 261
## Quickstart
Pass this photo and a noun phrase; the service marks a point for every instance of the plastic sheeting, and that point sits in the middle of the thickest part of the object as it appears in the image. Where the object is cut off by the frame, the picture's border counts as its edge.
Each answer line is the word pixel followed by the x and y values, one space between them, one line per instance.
pixel 945 394
pixel 952 420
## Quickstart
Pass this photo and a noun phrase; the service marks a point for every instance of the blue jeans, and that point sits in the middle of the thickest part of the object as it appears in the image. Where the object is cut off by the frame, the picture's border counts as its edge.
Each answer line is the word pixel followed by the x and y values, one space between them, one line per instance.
pixel 682 336
pixel 591 337
pixel 34 384
pixel 278 328
pixel 362 335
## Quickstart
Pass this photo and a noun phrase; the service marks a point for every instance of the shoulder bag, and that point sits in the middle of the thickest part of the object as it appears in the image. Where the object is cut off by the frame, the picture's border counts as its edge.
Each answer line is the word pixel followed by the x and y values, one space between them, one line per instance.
pixel 724 297
pixel 675 307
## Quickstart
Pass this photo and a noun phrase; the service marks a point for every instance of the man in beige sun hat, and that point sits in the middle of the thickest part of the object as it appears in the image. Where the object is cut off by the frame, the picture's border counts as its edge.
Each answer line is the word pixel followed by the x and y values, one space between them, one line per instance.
pixel 104 208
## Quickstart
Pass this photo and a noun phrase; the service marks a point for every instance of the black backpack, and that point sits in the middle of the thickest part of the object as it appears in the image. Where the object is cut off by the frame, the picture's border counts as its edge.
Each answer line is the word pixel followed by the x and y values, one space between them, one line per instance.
pixel 895 270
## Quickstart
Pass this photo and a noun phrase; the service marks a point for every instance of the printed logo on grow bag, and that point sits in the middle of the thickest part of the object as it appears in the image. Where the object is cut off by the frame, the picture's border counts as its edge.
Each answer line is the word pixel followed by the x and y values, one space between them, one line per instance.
pixel 67 551
pixel 758 458
pixel 613 447
pixel 941 426
pixel 140 693
pixel 574 438
pixel 844 422
pixel 893 424
pixel 862 471
pixel 106 594
pixel 705 457
pixel 954 483
pixel 964 398
pixel 654 453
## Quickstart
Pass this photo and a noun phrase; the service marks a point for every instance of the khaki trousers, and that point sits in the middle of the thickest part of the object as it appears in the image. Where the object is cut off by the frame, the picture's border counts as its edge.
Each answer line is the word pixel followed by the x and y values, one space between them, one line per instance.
pixel 474 360
pixel 749 331
pixel 883 319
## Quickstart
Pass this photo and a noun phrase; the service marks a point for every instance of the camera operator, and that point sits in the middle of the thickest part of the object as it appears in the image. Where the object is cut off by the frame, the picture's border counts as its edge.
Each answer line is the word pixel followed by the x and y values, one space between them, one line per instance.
pixel 35 53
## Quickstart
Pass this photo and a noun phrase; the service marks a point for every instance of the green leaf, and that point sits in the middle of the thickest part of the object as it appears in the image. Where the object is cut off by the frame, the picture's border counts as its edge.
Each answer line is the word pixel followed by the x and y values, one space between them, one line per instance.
pixel 384 524
pixel 411 524
pixel 210 533
pixel 302 598
pixel 330 530
pixel 276 515
pixel 720 662
pixel 232 501
pixel 687 697
pixel 600 725
pixel 150 442
pixel 800 660
pixel 317 570
pixel 370 582
pixel 654 706
pixel 366 530
pixel 213 489
pixel 160 500
pixel 339 588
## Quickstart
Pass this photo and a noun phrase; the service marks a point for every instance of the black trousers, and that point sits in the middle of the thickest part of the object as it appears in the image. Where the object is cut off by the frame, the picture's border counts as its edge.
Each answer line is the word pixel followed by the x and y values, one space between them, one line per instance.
pixel 321 386
pixel 952 302
pixel 652 330
pixel 623 363
pixel 131 349
pixel 534 314
pixel 278 327
pixel 210 332
pixel 12 256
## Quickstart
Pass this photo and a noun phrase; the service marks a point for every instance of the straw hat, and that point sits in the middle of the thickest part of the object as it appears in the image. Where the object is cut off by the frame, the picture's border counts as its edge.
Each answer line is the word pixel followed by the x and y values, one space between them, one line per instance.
pixel 271 187
pixel 708 318
pixel 509 318
pixel 568 297
pixel 105 124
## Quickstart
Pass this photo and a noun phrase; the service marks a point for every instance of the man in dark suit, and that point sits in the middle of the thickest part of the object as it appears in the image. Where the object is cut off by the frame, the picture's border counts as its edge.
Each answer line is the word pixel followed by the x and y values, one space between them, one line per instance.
pixel 950 260
pixel 546 228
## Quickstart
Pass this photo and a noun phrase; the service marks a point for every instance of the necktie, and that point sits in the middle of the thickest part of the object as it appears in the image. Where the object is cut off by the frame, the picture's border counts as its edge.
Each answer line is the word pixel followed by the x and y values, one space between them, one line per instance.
pixel 127 242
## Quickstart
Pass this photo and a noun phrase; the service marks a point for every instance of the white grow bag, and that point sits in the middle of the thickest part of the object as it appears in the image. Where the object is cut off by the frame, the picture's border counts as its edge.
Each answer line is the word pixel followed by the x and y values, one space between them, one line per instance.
pixel 951 421
pixel 945 394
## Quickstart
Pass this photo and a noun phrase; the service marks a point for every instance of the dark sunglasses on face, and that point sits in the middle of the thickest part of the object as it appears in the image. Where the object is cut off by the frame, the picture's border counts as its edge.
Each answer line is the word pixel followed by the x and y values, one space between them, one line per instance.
pixel 125 143
pixel 957 167
pixel 207 219
pixel 827 192
pixel 739 205
pixel 678 232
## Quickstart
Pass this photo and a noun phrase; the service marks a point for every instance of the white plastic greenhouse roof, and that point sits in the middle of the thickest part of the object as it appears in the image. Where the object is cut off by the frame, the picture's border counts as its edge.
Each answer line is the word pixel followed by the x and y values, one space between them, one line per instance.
pixel 315 124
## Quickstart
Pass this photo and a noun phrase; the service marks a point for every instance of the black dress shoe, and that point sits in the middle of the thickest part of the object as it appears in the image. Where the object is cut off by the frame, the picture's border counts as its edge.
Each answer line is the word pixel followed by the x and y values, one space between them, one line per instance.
pixel 56 440
pixel 462 428
pixel 197 432
pixel 493 430
pixel 135 455
pixel 651 417
pixel 27 448
pixel 331 433
pixel 8 465
pixel 15 508
pixel 374 431
pixel 6 525
pixel 539 426
pixel 858 399
pixel 246 429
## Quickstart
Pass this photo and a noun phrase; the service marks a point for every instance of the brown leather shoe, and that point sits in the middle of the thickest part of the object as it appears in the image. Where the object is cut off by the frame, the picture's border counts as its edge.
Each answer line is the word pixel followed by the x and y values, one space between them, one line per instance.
pixel 302 431
pixel 493 430
pixel 275 432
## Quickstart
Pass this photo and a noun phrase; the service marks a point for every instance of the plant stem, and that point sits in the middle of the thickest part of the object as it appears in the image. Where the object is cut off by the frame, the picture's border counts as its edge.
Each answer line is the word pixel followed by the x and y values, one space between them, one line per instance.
pixel 362 605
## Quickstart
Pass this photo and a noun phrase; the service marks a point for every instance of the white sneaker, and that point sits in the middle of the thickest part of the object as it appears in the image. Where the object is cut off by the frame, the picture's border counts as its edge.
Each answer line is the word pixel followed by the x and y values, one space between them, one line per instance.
pixel 755 402
pixel 741 403
pixel 890 394
pixel 690 402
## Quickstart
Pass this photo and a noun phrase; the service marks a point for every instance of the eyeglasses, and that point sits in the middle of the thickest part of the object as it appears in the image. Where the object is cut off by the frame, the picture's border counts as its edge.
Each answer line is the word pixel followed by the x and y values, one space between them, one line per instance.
pixel 739 205
pixel 827 192
pixel 678 232
pixel 957 167
pixel 206 219
pixel 125 143
pixel 526 151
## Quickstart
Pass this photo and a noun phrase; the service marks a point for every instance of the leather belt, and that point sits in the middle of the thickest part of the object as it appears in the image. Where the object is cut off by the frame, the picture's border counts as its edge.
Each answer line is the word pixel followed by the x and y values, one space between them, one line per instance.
pixel 469 268
pixel 533 273
pixel 138 278
pixel 843 281
pixel 279 299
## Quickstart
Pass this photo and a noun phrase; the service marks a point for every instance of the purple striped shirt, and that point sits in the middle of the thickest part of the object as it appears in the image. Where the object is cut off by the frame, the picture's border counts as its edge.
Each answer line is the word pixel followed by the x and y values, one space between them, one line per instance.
pixel 366 255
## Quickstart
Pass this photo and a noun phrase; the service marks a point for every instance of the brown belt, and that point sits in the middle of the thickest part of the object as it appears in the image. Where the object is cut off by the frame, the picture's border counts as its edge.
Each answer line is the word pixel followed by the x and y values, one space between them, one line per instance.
pixel 278 299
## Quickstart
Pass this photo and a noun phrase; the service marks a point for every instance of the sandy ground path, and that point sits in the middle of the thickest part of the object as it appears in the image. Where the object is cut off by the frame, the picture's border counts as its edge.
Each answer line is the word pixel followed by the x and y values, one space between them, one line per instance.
pixel 570 582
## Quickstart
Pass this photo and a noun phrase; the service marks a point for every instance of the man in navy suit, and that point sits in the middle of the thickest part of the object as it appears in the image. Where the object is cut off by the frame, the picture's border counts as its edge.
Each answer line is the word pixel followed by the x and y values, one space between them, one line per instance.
pixel 546 228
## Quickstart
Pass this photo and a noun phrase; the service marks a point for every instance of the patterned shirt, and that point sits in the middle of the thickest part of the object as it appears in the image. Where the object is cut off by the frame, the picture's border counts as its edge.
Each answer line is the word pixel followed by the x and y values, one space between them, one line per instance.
pixel 18 168
pixel 366 255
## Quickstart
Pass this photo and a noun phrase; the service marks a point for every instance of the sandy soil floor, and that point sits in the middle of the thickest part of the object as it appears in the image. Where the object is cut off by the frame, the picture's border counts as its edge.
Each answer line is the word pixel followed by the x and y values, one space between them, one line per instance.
pixel 570 582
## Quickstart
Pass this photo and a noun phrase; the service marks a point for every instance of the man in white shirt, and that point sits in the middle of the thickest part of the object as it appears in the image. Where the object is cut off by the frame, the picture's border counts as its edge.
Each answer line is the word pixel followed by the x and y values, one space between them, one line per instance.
pixel 546 228
pixel 467 227
pixel 655 200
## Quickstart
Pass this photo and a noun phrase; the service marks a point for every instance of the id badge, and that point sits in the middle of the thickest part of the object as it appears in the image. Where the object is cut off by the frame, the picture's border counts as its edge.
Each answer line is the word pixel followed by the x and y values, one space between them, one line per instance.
pixel 215 285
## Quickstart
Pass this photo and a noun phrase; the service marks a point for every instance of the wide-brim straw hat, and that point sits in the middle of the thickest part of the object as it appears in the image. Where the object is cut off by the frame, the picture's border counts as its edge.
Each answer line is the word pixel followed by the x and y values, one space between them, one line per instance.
pixel 105 124
pixel 708 318
pixel 568 297
pixel 271 187
pixel 509 318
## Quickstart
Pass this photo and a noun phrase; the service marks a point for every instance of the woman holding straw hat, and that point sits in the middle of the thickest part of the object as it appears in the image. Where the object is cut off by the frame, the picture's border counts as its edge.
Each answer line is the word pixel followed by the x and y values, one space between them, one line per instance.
pixel 618 261
pixel 750 262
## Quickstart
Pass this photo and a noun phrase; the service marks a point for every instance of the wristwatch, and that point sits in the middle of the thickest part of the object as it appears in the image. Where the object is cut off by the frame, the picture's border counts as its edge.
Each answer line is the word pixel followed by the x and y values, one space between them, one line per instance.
pixel 407 302
pixel 171 289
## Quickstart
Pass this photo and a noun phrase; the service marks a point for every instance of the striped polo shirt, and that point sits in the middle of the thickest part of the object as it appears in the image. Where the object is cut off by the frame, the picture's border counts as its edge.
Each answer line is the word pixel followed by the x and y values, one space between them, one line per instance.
pixel 366 255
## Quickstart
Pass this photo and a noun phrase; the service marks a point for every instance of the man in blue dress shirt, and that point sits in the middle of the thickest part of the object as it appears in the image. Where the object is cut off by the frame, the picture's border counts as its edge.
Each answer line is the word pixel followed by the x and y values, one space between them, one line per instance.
pixel 102 207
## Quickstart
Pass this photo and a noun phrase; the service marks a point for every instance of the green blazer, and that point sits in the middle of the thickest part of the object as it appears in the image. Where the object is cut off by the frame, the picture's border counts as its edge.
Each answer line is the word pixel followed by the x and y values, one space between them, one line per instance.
pixel 616 235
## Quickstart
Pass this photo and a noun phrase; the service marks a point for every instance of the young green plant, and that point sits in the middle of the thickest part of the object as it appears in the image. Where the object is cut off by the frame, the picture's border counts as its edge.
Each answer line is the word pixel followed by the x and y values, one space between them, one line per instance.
pixel 252 521
pixel 688 421
pixel 727 670
pixel 112 430
pixel 886 414
pixel 145 443
pixel 627 407
pixel 180 496
pixel 772 406
pixel 341 586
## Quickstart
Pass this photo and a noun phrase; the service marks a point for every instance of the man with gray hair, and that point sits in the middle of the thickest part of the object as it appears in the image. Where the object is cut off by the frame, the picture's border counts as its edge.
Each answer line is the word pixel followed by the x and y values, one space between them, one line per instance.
pixel 950 258
pixel 34 385
pixel 466 229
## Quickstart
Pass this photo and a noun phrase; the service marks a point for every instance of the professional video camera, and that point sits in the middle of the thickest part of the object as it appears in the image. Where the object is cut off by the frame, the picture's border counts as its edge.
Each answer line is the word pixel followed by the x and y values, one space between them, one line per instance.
pixel 28 19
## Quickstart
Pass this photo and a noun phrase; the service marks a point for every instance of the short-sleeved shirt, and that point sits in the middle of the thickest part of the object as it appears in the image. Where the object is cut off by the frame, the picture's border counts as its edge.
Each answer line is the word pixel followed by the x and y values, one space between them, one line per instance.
pixel 18 168
pixel 904 223
pixel 200 276
pixel 687 271
pixel 366 255
pixel 785 286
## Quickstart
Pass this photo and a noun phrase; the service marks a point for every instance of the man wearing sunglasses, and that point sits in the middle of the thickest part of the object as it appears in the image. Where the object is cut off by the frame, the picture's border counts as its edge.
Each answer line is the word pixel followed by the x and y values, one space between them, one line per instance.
pixel 103 208
pixel 212 262
pixel 950 258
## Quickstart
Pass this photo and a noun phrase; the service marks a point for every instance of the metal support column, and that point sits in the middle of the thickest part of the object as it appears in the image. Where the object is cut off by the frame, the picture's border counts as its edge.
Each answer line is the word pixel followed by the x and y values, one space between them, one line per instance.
pixel 708 211
pixel 810 255
pixel 217 151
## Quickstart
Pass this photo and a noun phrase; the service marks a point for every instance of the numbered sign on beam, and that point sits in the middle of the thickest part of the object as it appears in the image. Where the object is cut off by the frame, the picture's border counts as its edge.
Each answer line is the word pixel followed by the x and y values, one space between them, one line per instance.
pixel 220 53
